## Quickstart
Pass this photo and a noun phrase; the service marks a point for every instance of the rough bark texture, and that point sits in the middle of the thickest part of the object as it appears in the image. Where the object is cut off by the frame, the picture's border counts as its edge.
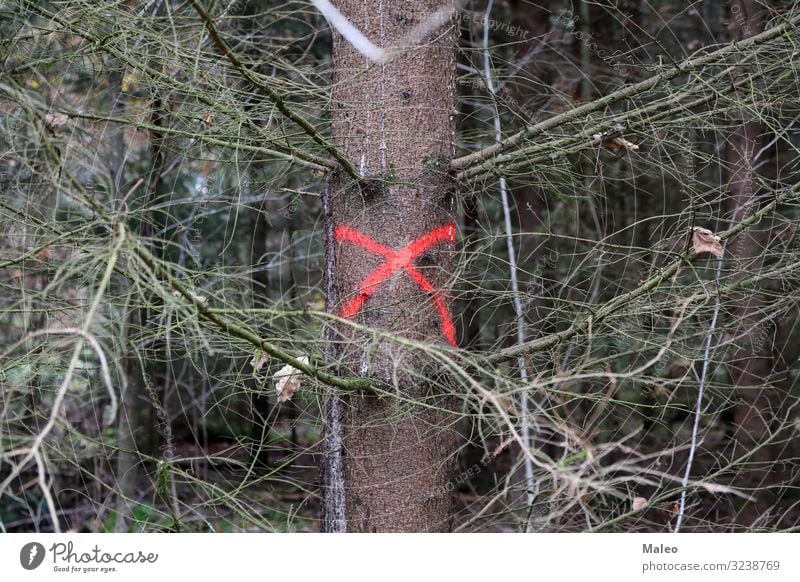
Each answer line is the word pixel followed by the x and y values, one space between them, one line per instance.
pixel 750 365
pixel 396 122
pixel 334 519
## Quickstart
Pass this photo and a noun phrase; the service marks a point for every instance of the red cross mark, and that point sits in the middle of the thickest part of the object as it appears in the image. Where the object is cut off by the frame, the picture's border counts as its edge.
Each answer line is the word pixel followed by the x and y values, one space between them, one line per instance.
pixel 402 259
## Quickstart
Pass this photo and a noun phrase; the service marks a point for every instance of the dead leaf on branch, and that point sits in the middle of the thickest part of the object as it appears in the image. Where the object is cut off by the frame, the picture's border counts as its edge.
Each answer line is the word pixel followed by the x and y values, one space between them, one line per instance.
pixel 258 361
pixel 722 489
pixel 705 241
pixel 613 140
pixel 55 120
pixel 619 143
pixel 287 380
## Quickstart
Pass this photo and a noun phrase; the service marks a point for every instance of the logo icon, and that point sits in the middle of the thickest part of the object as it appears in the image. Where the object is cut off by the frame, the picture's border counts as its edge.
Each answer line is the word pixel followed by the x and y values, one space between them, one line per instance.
pixel 31 555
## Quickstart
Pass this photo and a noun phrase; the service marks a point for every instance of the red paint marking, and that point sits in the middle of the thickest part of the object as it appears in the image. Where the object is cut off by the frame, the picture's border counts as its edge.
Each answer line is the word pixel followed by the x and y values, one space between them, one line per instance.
pixel 395 261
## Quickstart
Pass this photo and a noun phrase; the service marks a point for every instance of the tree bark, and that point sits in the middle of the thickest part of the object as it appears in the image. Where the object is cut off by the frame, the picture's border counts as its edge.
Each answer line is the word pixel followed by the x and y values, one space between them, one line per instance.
pixel 750 365
pixel 395 121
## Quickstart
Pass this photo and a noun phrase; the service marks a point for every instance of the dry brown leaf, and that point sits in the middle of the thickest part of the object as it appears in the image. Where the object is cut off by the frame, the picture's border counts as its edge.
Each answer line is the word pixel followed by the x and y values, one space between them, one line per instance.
pixel 129 82
pixel 669 509
pixel 258 361
pixel 639 503
pixel 677 368
pixel 55 120
pixel 287 380
pixel 45 254
pixel 623 143
pixel 615 144
pixel 705 241
pixel 612 140
pixel 717 488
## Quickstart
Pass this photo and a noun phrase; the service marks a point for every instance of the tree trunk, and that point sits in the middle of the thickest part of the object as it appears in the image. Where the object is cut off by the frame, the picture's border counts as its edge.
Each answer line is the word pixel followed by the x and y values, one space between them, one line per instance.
pixel 128 421
pixel 750 365
pixel 396 122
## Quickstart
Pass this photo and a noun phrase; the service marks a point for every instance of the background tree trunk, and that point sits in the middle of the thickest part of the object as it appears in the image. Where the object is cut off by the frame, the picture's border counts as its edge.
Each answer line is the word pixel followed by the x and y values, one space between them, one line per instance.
pixel 750 365
pixel 396 122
